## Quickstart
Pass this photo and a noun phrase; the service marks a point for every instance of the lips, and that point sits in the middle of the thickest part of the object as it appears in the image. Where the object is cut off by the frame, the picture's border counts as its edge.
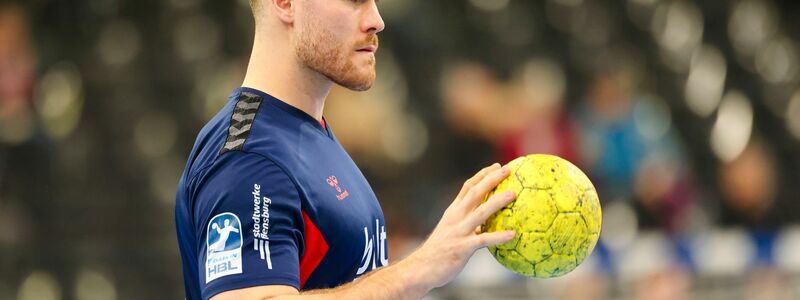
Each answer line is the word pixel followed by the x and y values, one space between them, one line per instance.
pixel 370 48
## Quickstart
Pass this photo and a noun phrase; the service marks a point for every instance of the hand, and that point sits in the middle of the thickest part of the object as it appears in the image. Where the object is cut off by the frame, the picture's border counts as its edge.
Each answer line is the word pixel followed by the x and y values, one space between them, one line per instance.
pixel 457 236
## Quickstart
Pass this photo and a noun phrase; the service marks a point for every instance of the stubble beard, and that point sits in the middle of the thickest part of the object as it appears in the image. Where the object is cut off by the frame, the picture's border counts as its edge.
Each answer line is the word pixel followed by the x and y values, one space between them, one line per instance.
pixel 319 51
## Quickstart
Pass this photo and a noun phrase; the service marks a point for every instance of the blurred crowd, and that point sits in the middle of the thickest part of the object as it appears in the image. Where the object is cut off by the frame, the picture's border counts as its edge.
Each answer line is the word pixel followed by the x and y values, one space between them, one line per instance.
pixel 685 115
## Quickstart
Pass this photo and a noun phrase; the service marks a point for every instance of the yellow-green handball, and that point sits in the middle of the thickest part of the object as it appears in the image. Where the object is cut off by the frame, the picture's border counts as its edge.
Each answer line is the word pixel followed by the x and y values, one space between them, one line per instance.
pixel 556 217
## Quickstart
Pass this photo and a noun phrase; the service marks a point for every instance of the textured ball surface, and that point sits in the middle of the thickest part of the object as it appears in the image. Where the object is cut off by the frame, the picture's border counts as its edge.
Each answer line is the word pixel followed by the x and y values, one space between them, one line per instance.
pixel 556 217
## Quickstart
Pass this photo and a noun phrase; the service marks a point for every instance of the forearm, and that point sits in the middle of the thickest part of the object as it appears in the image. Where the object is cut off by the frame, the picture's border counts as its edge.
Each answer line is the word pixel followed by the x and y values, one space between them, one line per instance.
pixel 403 280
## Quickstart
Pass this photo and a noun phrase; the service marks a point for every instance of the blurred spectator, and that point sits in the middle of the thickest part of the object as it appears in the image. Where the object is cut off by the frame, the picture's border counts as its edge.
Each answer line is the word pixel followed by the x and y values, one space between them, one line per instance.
pixel 748 187
pixel 16 76
pixel 524 115
pixel 473 101
pixel 16 60
pixel 631 151
pixel 25 200
pixel 538 120
pixel 611 148
pixel 16 127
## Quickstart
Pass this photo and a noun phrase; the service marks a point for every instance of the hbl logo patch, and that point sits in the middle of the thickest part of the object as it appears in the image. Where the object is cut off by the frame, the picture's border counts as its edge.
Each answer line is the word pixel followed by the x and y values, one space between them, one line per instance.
pixel 223 246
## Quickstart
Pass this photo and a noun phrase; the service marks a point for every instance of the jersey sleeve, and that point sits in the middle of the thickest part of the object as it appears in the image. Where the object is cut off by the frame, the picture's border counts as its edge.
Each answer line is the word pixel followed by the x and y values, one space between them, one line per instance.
pixel 249 223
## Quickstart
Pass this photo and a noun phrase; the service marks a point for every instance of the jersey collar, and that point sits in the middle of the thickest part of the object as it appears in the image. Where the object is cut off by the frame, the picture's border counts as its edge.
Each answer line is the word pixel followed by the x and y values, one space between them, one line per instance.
pixel 294 111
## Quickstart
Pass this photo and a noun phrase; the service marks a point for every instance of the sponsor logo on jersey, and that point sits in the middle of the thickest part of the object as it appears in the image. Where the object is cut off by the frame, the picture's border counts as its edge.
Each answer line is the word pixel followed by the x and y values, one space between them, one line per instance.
pixel 223 246
pixel 374 249
pixel 340 192
pixel 261 225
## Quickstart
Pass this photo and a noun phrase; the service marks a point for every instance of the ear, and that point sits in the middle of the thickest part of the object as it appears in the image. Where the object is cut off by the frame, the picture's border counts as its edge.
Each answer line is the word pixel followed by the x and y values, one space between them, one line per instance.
pixel 284 9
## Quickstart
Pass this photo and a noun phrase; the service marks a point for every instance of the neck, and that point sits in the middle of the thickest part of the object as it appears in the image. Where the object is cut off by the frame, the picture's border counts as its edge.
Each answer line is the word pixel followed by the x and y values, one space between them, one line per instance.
pixel 274 70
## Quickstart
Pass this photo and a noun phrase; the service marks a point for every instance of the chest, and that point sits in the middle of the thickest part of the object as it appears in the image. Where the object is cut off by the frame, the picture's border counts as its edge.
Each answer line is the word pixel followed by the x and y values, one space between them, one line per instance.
pixel 338 198
pixel 340 202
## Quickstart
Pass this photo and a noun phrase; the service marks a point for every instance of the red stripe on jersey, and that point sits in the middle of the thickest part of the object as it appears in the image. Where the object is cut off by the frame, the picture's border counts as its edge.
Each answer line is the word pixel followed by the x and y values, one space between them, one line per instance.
pixel 314 250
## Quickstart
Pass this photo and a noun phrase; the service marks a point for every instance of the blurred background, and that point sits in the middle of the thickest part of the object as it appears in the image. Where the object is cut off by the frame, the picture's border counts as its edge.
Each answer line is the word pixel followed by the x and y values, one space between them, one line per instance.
pixel 685 114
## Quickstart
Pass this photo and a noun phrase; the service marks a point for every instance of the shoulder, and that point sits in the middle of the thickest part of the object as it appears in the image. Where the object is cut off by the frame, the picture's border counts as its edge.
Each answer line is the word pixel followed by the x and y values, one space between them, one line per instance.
pixel 233 168
pixel 247 126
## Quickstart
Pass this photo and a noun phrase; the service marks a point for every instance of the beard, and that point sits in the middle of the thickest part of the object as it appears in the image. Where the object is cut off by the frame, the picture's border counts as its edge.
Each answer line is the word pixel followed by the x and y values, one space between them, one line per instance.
pixel 320 51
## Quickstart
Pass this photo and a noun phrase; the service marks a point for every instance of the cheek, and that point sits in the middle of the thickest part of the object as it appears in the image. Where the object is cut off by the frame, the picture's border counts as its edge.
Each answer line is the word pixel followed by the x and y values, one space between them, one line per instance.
pixel 340 27
pixel 328 38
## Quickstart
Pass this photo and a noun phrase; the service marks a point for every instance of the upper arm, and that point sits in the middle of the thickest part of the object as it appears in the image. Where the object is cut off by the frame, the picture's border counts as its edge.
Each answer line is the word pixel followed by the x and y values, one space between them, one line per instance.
pixel 258 292
pixel 258 235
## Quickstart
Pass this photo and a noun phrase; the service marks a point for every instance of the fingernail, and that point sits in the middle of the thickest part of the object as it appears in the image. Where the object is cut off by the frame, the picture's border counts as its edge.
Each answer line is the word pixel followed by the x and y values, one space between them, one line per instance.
pixel 510 194
pixel 510 234
pixel 504 170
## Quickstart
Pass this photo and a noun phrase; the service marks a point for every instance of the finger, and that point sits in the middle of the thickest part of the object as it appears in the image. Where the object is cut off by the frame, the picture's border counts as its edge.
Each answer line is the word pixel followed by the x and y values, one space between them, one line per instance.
pixel 478 192
pixel 492 238
pixel 491 206
pixel 475 179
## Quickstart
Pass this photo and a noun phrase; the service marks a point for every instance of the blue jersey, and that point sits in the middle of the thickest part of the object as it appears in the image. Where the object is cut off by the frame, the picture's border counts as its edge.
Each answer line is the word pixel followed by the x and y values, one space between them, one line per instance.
pixel 269 197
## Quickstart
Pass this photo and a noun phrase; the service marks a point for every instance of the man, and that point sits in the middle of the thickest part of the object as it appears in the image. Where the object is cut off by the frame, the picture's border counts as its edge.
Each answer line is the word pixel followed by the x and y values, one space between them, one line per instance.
pixel 270 168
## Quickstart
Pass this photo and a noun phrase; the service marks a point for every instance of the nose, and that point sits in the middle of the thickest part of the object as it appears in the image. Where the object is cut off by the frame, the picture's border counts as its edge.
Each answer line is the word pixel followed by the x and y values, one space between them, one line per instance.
pixel 373 22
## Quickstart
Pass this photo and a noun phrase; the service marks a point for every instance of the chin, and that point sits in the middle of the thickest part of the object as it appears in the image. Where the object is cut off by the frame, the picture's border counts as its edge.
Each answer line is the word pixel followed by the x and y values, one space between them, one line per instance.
pixel 360 87
pixel 360 82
